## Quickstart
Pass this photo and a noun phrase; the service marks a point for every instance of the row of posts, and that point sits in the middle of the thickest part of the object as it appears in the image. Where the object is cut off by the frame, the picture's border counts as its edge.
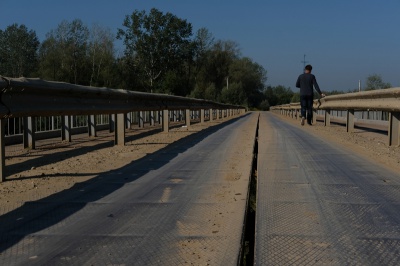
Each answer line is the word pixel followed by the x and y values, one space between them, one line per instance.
pixel 393 130
pixel 118 124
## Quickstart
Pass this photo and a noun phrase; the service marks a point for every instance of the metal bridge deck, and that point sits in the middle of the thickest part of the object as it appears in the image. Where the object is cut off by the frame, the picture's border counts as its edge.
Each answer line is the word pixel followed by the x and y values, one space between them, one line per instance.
pixel 321 205
pixel 182 205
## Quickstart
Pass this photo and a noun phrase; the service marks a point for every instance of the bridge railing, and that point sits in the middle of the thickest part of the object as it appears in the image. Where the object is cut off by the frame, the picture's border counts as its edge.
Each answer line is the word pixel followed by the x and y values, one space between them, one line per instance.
pixel 28 99
pixel 387 100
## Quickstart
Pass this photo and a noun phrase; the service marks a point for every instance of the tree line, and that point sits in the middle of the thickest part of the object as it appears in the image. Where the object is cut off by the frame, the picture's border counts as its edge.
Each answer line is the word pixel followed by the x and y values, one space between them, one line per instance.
pixel 161 54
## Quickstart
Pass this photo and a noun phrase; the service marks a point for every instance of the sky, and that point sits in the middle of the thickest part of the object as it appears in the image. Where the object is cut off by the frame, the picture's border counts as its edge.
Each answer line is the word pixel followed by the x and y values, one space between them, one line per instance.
pixel 344 40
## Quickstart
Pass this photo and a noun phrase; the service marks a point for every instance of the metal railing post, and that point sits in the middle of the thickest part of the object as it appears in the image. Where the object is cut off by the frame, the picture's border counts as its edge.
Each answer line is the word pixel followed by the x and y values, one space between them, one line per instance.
pixel 394 129
pixel 152 118
pixel 314 117
pixel 119 134
pixel 92 124
pixel 66 133
pixel 187 118
pixel 327 120
pixel 350 121
pixel 128 120
pixel 165 121
pixel 2 150
pixel 29 132
pixel 141 119
pixel 112 122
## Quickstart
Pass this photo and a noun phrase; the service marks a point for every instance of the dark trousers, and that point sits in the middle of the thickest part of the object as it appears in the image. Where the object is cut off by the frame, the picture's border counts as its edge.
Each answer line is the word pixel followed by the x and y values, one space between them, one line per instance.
pixel 306 102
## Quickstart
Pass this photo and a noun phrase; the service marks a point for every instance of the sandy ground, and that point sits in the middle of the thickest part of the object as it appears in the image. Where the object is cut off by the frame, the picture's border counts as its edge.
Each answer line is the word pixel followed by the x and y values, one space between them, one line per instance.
pixel 371 145
pixel 55 166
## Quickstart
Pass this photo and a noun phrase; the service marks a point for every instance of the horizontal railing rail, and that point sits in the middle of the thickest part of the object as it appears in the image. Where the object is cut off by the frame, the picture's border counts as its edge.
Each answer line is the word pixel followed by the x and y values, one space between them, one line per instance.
pixel 36 97
pixel 387 100
pixel 31 98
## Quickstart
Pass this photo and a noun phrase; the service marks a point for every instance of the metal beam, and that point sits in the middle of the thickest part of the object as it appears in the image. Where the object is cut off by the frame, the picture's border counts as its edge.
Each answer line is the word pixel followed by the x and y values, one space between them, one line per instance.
pixel 36 97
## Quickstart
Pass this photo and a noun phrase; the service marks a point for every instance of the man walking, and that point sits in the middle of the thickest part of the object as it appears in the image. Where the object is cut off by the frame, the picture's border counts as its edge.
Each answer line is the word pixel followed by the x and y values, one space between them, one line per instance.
pixel 307 82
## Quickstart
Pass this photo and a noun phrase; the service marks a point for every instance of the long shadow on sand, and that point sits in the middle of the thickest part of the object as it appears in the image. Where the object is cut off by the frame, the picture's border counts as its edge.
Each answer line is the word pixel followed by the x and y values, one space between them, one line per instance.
pixel 23 221
pixel 60 156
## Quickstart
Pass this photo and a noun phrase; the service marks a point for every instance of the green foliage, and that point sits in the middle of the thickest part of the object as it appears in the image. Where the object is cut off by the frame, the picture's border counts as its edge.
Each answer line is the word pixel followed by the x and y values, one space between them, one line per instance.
pixel 18 51
pixel 333 92
pixel 210 93
pixel 251 76
pixel 63 53
pixel 156 41
pixel 234 94
pixel 101 55
pixel 74 53
pixel 161 55
pixel 264 105
pixel 278 95
pixel 375 82
pixel 295 97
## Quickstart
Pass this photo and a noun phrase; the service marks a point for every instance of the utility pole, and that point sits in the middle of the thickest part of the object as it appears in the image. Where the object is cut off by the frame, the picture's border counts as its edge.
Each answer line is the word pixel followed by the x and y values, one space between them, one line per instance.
pixel 304 62
pixel 359 85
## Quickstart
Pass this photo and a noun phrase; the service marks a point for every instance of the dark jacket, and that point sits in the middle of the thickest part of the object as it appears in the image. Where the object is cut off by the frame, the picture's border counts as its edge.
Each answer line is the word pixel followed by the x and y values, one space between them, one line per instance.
pixel 306 82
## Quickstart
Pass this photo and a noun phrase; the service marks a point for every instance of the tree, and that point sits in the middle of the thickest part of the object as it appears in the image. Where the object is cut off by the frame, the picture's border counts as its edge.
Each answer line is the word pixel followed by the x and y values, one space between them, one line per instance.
pixel 18 51
pixel 156 42
pixel 215 67
pixel 278 95
pixel 251 76
pixel 295 98
pixel 234 94
pixel 101 52
pixel 49 60
pixel 375 82
pixel 65 53
pixel 264 105
pixel 203 42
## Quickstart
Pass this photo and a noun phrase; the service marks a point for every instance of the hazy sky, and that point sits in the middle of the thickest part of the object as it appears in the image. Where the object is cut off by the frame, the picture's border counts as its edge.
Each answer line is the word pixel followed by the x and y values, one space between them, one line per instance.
pixel 344 40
